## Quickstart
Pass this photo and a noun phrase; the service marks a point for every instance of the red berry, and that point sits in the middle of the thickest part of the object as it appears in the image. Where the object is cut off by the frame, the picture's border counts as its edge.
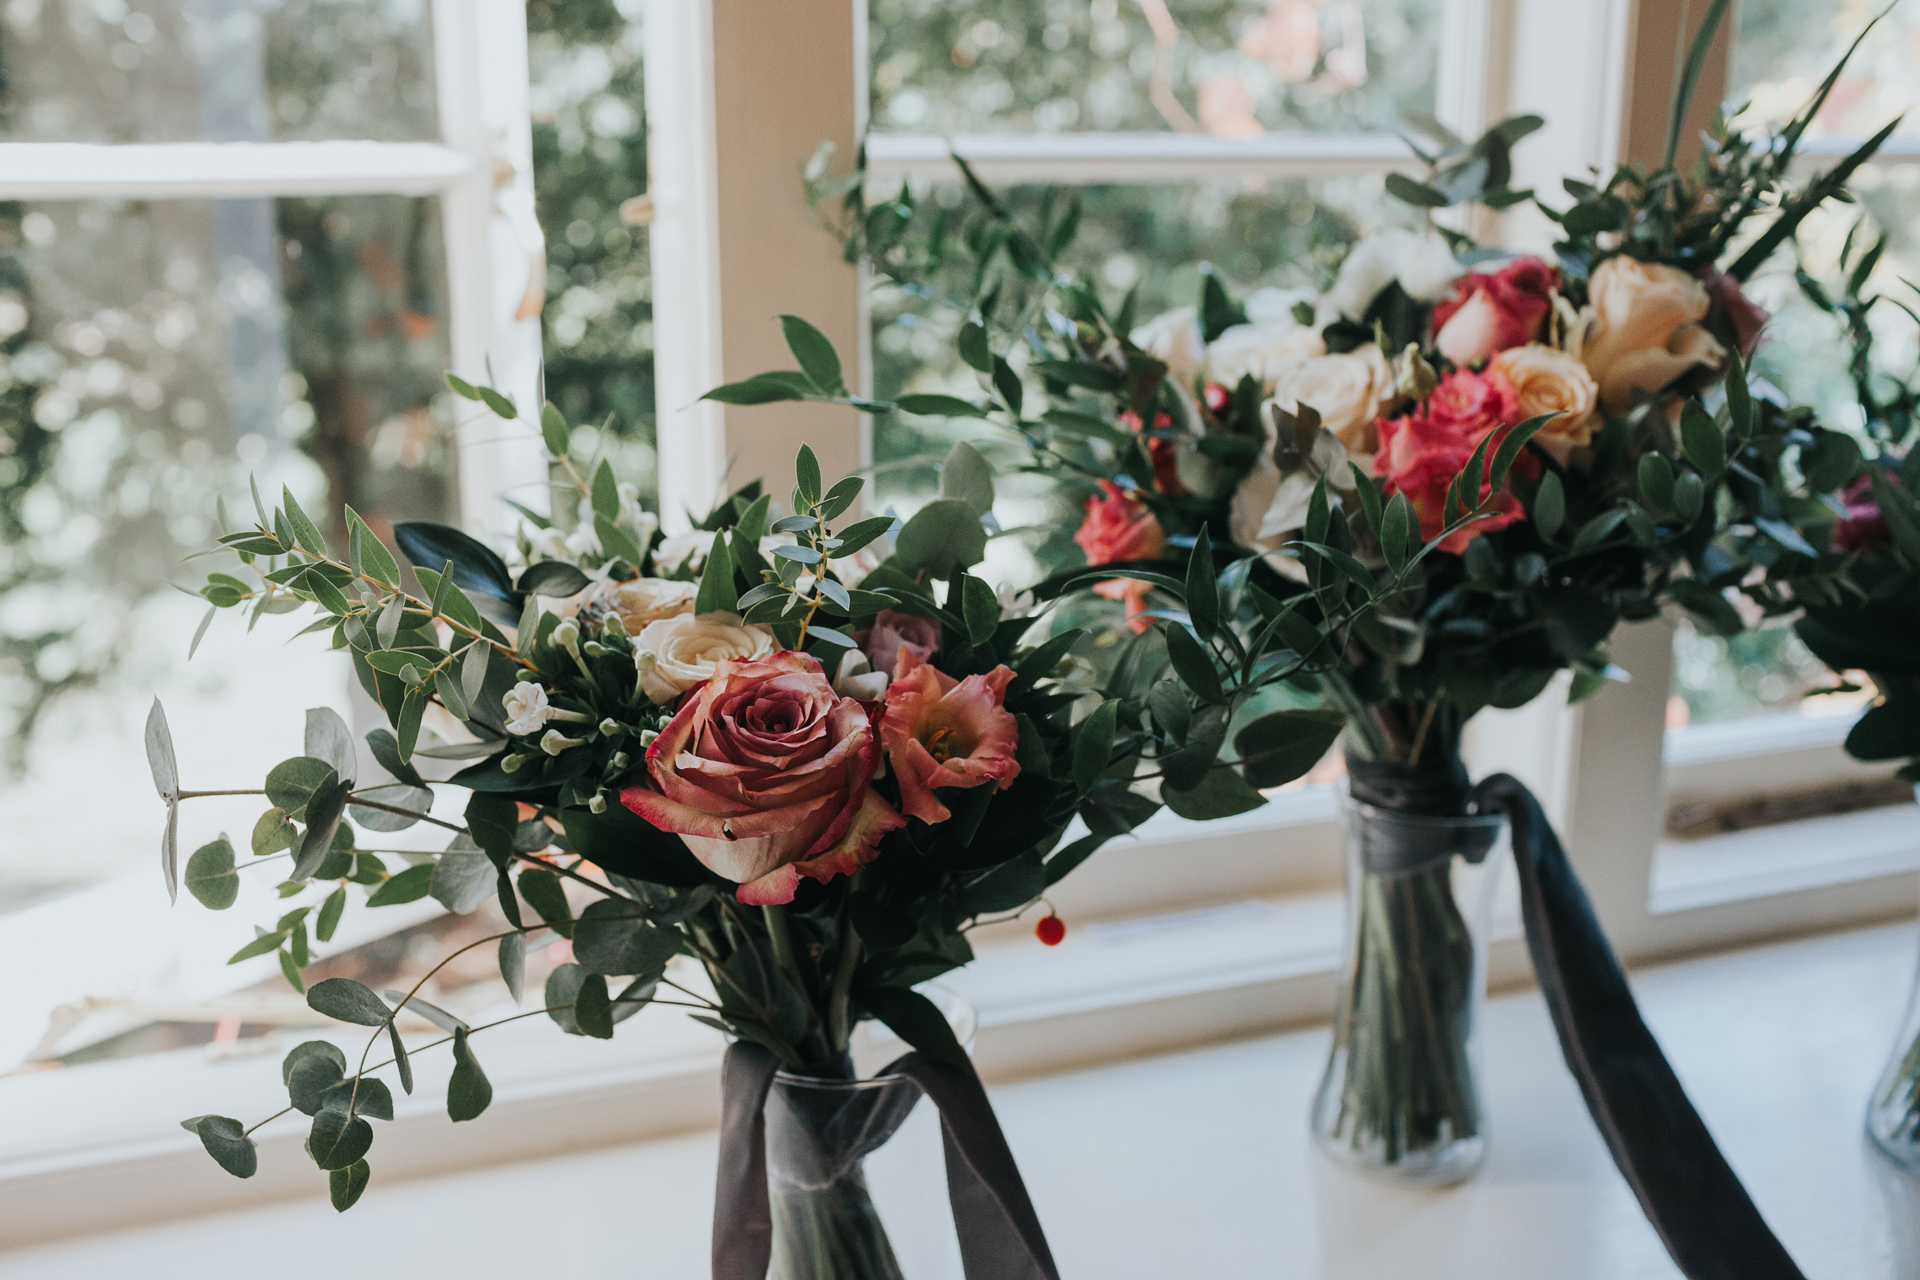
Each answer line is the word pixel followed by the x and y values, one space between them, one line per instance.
pixel 1050 930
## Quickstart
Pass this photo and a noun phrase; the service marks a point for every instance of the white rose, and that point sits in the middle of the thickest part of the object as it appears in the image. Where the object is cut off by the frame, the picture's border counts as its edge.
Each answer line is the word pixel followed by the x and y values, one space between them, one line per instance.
pixel 1422 263
pixel 683 550
pixel 1174 337
pixel 1265 351
pixel 527 708
pixel 1265 306
pixel 647 600
pixel 858 680
pixel 1346 391
pixel 674 654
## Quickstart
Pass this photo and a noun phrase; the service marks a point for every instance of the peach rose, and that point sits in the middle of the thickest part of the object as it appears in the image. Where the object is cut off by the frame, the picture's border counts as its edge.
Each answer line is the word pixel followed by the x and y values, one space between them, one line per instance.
pixel 765 773
pixel 1119 526
pixel 1491 311
pixel 943 732
pixel 646 600
pixel 1644 331
pixel 1345 390
pixel 1548 381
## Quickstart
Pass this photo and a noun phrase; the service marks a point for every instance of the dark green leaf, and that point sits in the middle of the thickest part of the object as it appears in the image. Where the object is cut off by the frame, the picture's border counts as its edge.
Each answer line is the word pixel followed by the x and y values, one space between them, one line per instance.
pixel 345 1185
pixel 1203 592
pixel 943 536
pixel 974 349
pixel 1701 437
pixel 763 388
pixel 563 989
pixel 1221 794
pixel 965 476
pixel 1284 745
pixel 227 1142
pixel 554 578
pixel 309 1071
pixel 1656 481
pixel 468 1092
pixel 928 406
pixel 410 885
pixel 593 1009
pixel 543 892
pixel 1194 664
pixel 816 356
pixel 211 877
pixel 1418 194
pixel 980 608
pixel 717 589
pixel 513 963
pixel 1093 744
pixel 612 938
pixel 329 918
pixel 337 1141
pixel 348 1001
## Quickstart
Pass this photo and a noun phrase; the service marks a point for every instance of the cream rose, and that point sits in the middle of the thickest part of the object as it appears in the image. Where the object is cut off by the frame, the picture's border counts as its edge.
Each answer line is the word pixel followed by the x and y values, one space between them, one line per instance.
pixel 674 654
pixel 647 600
pixel 1422 262
pixel 1175 338
pixel 1640 335
pixel 683 551
pixel 1345 390
pixel 1551 381
pixel 1266 351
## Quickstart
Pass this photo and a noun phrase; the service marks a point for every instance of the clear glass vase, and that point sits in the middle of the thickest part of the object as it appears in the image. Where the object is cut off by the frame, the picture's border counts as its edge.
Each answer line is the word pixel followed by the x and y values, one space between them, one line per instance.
pixel 827 1221
pixel 1893 1115
pixel 1399 1102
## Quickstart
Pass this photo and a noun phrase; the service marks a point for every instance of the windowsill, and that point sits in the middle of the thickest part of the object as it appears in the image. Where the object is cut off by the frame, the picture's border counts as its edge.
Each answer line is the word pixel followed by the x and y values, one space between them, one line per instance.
pixel 1147 967
pixel 1205 1153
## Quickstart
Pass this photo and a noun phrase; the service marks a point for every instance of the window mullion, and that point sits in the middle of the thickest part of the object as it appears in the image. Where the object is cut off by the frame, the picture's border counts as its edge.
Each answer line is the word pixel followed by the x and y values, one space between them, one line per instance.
pixel 202 170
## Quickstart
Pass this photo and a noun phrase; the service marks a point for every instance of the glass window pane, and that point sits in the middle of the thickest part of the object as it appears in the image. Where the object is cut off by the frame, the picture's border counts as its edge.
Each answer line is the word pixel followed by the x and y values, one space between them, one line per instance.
pixel 590 181
pixel 1783 49
pixel 1229 67
pixel 155 354
pixel 220 70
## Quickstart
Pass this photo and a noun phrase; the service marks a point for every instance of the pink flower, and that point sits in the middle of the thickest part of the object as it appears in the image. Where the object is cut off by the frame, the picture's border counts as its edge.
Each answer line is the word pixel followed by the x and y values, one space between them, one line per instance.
pixel 1119 526
pixel 1864 526
pixel 764 772
pixel 943 732
pixel 894 636
pixel 1744 317
pixel 1491 311
pixel 1421 453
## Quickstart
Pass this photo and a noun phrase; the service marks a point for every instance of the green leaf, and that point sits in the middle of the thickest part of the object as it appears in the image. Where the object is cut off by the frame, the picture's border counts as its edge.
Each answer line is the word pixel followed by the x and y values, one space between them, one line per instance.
pixel 965 476
pixel 717 590
pixel 553 430
pixel 1093 744
pixel 1689 495
pixel 563 989
pixel 323 822
pixel 980 608
pixel 211 877
pixel 345 1000
pixel 227 1142
pixel 463 880
pixel 1549 506
pixel 375 559
pixel 401 1062
pixel 461 387
pixel 943 536
pixel 973 347
pixel 857 535
pixel 844 494
pixel 543 892
pixel 498 403
pixel 291 783
pixel 468 1092
pixel 917 1020
pixel 1418 194
pixel 345 1185
pixel 928 406
pixel 513 963
pixel 763 388
pixel 1171 709
pixel 310 1071
pixel 816 355
pixel 410 885
pixel 261 945
pixel 605 492
pixel 1701 438
pixel 338 1141
pixel 305 532
pixel 1656 481
pixel 366 1096
pixel 1284 745
pixel 806 476
pixel 1194 664
pixel 329 918
pixel 593 1008
pixel 612 938
pixel 1203 591
pixel 1689 80
pixel 1220 794
pixel 1007 383
pixel 1397 523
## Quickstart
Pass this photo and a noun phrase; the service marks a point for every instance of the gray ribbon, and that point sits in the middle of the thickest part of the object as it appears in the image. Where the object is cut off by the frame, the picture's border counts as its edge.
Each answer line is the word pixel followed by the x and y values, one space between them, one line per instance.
pixel 1000 1235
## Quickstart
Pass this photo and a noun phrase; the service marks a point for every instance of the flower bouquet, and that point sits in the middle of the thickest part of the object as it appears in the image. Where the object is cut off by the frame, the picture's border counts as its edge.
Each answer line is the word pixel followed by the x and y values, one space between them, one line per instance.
pixel 1867 620
pixel 773 771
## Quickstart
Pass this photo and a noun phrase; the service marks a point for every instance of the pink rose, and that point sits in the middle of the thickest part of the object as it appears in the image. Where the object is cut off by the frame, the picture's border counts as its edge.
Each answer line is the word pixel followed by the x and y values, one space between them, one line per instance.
pixel 1422 452
pixel 1864 526
pixel 943 732
pixel 893 636
pixel 1119 526
pixel 1491 311
pixel 764 772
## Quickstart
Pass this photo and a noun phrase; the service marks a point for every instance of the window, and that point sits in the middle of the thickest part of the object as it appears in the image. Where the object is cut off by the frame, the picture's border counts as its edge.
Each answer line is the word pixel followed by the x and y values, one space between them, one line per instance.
pixel 233 240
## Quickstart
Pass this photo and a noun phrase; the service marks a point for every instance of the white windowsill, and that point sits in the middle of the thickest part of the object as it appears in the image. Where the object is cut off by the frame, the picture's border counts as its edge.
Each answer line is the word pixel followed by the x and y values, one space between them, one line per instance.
pixel 1135 157
pixel 1203 1156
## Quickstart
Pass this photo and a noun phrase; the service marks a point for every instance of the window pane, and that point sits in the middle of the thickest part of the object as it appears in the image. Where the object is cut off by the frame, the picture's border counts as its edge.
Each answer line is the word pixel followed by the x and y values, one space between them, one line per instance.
pixel 1230 68
pixel 1753 673
pixel 221 70
pixel 1783 49
pixel 589 172
pixel 154 354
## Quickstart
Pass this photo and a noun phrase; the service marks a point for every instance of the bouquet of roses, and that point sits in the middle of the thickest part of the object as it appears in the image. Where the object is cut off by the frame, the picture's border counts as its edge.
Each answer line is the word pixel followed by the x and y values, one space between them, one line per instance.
pixel 803 752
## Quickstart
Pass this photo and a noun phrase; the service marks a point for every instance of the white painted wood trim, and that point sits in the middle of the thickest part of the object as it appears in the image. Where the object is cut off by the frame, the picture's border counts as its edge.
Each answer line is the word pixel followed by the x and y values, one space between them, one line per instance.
pixel 1082 158
pixel 204 170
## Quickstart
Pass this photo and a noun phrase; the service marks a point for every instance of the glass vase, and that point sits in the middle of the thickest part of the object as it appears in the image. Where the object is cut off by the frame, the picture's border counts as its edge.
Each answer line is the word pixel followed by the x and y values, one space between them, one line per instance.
pixel 827 1221
pixel 1893 1115
pixel 1399 1102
